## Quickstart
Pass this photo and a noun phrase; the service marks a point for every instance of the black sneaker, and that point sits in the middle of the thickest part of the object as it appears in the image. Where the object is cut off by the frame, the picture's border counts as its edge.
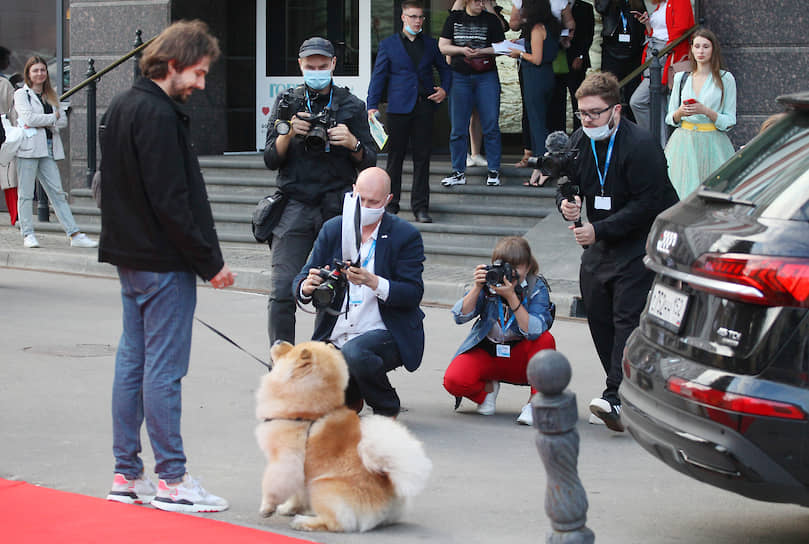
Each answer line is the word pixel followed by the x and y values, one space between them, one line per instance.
pixel 609 413
pixel 493 179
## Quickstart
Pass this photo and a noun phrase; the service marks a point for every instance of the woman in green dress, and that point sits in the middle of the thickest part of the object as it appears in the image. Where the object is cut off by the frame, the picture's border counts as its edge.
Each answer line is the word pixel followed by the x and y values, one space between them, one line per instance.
pixel 703 108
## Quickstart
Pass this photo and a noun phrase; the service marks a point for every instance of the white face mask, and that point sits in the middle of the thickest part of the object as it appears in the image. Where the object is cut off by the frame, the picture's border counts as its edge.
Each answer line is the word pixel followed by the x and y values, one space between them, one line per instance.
pixel 369 216
pixel 599 133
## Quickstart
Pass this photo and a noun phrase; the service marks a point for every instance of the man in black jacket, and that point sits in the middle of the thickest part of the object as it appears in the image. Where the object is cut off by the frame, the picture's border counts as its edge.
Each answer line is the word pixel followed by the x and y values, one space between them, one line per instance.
pixel 623 179
pixel 157 228
pixel 317 164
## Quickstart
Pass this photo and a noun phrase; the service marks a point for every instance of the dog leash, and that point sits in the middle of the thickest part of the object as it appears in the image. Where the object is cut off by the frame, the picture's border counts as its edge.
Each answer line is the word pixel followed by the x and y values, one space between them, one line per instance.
pixel 226 337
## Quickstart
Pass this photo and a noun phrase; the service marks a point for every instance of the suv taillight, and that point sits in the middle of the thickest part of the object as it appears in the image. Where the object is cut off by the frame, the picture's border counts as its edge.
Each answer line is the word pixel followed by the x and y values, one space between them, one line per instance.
pixel 733 402
pixel 764 280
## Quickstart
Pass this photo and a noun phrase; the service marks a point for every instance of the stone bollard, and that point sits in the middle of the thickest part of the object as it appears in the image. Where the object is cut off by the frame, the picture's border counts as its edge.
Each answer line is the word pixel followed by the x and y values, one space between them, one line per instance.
pixel 555 417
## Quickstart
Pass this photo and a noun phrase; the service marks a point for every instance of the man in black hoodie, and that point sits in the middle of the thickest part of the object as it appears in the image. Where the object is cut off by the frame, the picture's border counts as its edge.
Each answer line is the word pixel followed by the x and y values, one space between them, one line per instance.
pixel 157 228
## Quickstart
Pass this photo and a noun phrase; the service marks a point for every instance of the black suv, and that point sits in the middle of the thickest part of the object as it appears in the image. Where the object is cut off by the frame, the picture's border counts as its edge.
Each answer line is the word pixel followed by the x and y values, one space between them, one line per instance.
pixel 716 377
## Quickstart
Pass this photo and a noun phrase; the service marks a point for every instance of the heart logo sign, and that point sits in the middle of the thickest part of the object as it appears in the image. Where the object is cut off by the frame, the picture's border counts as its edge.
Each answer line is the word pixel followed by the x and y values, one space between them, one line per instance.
pixel 265 110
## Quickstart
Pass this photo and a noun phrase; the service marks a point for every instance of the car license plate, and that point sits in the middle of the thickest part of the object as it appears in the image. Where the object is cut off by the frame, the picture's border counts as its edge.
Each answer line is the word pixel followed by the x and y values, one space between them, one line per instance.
pixel 668 305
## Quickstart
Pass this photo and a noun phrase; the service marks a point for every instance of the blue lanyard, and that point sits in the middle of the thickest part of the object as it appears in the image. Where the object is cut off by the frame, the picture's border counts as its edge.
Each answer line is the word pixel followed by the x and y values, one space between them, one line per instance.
pixel 309 103
pixel 370 254
pixel 623 21
pixel 502 315
pixel 602 177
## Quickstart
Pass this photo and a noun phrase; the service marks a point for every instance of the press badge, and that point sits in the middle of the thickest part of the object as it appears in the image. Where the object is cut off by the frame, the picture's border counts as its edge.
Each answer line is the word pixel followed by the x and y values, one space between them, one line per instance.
pixel 603 203
pixel 624 38
pixel 503 350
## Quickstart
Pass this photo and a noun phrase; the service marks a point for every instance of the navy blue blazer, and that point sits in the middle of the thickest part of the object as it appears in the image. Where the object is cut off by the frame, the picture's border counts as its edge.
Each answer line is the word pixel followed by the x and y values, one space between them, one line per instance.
pixel 399 259
pixel 395 71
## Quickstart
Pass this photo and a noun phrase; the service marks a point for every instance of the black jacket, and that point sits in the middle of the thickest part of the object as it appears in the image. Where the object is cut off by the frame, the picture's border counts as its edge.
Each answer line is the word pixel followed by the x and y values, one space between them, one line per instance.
pixel 155 213
pixel 307 176
pixel 583 36
pixel 637 183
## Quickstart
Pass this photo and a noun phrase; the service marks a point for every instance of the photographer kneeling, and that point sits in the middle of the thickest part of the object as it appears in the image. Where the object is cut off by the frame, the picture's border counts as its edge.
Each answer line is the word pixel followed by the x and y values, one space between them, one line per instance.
pixel 369 308
pixel 514 314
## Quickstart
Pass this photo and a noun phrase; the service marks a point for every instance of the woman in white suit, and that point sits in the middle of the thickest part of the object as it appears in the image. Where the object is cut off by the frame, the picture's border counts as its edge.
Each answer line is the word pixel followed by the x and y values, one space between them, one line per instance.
pixel 39 110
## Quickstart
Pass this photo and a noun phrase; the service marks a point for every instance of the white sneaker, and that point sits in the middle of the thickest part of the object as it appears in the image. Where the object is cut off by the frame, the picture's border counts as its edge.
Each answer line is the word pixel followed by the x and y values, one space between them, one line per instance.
pixel 494 178
pixel 456 178
pixel 475 160
pixel 81 240
pixel 486 408
pixel 138 491
pixel 526 417
pixel 187 496
pixel 610 414
pixel 30 241
pixel 594 420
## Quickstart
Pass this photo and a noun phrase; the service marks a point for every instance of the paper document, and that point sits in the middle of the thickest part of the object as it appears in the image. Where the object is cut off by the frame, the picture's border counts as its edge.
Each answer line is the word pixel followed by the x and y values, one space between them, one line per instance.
pixel 505 47
pixel 378 131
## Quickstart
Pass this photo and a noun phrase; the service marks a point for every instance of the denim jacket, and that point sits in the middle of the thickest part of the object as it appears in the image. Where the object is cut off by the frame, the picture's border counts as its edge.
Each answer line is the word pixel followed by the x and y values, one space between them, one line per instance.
pixel 537 304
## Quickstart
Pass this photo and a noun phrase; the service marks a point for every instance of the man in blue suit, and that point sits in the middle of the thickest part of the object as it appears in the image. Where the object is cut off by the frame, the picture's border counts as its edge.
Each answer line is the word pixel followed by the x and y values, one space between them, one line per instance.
pixel 404 66
pixel 376 321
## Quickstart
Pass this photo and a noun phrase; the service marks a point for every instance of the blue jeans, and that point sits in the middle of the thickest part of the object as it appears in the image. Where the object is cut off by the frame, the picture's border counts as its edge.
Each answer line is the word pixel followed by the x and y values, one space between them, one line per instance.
pixel 44 168
pixel 370 356
pixel 481 92
pixel 152 359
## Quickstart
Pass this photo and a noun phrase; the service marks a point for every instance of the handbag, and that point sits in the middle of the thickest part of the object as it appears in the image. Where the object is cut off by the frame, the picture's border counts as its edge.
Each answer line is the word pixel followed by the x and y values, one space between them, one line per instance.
pixel 560 65
pixel 267 215
pixel 14 138
pixel 682 65
pixel 481 64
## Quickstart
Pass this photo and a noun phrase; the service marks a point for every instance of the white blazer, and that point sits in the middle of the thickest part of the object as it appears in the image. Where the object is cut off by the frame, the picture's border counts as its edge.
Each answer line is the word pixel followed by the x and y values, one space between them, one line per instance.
pixel 30 113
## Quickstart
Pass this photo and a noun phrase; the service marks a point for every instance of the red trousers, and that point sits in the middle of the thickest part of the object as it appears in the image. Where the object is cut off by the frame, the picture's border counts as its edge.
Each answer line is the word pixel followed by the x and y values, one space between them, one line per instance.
pixel 468 373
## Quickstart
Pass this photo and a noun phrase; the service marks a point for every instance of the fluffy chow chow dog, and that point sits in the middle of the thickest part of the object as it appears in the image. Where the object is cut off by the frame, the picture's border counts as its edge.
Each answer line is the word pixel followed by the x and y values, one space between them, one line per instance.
pixel 331 469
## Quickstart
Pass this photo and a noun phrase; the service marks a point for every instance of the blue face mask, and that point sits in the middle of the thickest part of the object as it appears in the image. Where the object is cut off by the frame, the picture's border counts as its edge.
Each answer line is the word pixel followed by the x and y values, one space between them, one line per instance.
pixel 317 79
pixel 411 31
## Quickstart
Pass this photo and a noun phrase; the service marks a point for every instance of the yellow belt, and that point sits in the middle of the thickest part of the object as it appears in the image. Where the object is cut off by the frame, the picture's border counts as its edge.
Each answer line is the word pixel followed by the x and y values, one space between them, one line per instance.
pixel 699 127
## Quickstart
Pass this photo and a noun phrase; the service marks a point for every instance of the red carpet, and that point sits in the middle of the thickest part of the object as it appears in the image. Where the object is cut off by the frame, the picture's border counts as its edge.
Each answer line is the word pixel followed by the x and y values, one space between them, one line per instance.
pixel 38 515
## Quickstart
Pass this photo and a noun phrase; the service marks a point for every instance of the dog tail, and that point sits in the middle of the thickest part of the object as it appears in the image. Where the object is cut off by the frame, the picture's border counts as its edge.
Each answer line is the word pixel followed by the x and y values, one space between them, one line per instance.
pixel 387 447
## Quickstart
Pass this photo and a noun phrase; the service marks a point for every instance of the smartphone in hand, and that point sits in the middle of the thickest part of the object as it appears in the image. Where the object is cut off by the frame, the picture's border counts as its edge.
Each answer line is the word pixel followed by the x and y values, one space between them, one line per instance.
pixel 689 101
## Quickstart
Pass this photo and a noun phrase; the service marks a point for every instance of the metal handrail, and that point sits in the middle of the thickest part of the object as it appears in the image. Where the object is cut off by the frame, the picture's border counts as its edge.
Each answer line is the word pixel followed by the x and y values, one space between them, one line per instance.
pixel 109 68
pixel 660 54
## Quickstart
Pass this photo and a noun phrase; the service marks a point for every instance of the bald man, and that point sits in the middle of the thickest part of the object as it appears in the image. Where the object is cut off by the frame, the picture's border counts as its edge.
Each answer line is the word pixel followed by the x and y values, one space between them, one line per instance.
pixel 377 324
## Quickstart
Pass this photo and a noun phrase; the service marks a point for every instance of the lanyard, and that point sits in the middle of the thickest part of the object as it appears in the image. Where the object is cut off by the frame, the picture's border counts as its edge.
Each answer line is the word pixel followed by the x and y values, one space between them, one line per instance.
pixel 624 21
pixel 370 254
pixel 502 315
pixel 309 103
pixel 602 177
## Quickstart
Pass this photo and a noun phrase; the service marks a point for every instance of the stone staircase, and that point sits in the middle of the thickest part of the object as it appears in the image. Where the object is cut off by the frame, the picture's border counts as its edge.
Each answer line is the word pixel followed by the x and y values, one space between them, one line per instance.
pixel 468 220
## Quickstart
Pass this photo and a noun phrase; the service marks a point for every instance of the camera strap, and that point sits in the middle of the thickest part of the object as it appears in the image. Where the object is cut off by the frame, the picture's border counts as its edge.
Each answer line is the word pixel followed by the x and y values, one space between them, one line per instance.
pixel 226 337
pixel 309 102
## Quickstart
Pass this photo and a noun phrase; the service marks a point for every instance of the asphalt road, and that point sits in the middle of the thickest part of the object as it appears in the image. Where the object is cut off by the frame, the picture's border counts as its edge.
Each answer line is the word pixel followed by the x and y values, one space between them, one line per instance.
pixel 59 334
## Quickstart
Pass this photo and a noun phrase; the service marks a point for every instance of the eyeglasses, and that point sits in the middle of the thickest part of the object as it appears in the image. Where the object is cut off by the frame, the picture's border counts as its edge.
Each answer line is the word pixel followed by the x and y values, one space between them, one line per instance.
pixel 416 17
pixel 592 115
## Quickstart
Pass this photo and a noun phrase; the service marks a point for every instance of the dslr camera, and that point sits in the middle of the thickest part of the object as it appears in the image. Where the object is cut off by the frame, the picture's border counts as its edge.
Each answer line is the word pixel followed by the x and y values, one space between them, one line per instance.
pixel 318 138
pixel 498 272
pixel 555 163
pixel 333 287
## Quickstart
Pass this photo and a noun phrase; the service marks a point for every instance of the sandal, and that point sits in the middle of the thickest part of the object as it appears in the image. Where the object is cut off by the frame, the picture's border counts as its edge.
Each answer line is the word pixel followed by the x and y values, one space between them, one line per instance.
pixel 536 176
pixel 524 161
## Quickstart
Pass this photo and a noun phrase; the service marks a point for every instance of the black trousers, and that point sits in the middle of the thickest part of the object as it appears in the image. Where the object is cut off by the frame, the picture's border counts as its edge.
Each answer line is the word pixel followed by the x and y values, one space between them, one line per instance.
pixel 622 68
pixel 614 294
pixel 415 127
pixel 557 109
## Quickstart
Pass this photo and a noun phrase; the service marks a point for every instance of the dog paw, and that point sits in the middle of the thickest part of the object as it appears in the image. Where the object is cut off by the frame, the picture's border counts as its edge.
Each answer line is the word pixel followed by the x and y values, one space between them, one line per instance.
pixel 289 508
pixel 266 510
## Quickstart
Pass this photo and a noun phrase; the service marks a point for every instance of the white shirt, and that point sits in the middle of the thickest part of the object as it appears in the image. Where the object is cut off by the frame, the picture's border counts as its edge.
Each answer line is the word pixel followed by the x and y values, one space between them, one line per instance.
pixel 363 309
pixel 658 21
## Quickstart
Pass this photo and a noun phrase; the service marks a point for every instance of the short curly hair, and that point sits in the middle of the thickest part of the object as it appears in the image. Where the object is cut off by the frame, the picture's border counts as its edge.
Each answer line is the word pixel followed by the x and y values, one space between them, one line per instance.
pixel 601 84
pixel 184 42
